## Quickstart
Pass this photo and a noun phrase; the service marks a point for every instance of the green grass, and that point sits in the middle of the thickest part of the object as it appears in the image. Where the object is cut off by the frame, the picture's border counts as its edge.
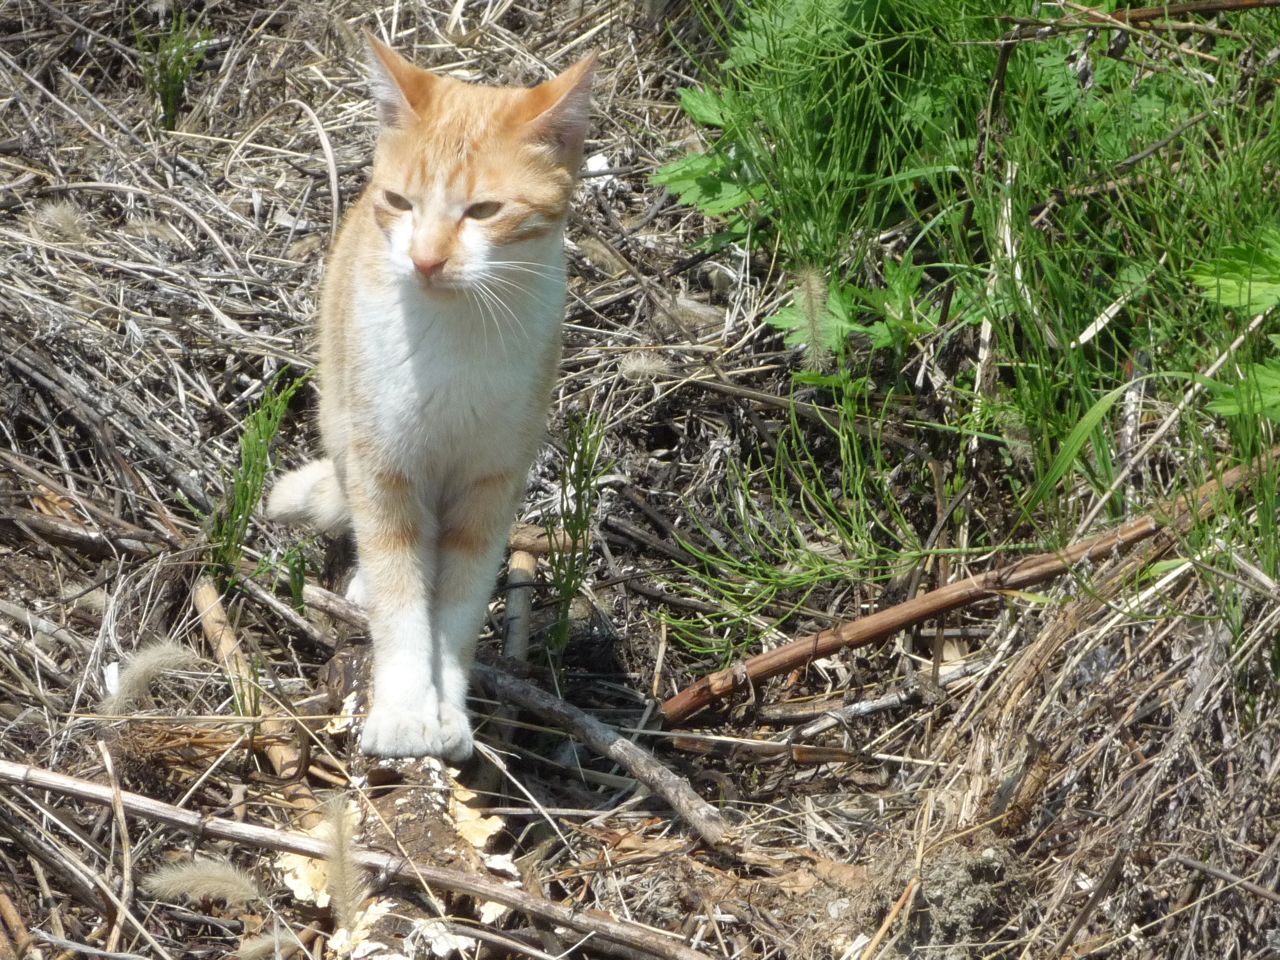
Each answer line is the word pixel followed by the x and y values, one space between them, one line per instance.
pixel 1119 228
pixel 828 114
pixel 569 563
pixel 229 524
pixel 169 58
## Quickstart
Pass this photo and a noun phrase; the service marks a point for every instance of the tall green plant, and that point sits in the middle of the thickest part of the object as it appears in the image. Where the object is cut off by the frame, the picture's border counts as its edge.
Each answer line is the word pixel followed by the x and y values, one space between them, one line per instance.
pixel 830 115
pixel 169 59
pixel 1033 308
pixel 230 522
pixel 569 548
pixel 828 119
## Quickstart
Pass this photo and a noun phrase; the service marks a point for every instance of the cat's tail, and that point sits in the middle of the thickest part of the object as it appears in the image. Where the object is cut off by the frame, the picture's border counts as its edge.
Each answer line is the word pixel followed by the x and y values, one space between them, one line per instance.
pixel 310 495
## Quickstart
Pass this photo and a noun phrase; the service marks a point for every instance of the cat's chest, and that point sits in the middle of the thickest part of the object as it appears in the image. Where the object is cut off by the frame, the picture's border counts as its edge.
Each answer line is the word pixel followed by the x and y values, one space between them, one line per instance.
pixel 434 375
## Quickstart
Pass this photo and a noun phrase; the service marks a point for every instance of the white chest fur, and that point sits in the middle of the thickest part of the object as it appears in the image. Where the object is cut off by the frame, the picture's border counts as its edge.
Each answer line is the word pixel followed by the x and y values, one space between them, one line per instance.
pixel 448 375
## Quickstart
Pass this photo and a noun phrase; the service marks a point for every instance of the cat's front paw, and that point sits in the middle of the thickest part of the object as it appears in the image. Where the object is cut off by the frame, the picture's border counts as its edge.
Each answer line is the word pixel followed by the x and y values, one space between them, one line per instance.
pixel 443 733
pixel 454 733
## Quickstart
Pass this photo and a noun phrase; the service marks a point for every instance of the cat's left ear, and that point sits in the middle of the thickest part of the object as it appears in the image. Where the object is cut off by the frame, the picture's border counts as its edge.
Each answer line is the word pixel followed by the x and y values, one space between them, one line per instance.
pixel 558 112
pixel 400 89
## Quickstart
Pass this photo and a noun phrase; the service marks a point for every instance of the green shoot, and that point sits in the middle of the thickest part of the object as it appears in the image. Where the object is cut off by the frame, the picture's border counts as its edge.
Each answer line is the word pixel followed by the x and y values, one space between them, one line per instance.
pixel 230 522
pixel 168 61
pixel 1022 315
pixel 569 562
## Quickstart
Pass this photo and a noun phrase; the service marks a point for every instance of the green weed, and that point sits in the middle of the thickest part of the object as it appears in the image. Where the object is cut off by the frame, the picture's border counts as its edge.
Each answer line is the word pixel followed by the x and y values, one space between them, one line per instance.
pixel 295 563
pixel 1245 278
pixel 569 564
pixel 169 59
pixel 1120 177
pixel 830 113
pixel 833 118
pixel 230 522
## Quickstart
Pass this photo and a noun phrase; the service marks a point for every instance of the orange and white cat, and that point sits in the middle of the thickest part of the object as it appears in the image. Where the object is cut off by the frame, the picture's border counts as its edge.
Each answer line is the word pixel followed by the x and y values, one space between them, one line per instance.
pixel 439 344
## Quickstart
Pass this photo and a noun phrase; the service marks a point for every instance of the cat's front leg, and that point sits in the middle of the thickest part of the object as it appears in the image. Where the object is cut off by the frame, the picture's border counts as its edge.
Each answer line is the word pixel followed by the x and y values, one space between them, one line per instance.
pixel 473 534
pixel 396 541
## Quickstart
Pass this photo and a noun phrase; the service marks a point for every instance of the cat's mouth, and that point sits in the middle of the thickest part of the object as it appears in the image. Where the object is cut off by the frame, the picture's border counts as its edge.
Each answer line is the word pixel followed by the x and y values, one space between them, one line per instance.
pixel 439 284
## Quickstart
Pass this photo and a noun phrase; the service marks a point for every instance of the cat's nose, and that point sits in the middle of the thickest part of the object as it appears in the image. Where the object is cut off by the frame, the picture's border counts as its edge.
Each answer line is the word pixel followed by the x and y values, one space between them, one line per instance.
pixel 429 266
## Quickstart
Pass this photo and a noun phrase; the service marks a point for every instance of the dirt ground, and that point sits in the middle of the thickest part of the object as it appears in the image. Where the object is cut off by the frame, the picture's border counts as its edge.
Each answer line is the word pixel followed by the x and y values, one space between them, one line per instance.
pixel 1082 780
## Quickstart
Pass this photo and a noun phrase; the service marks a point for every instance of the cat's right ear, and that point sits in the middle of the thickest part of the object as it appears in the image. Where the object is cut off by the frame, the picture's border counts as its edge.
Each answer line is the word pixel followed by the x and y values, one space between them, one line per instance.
pixel 400 89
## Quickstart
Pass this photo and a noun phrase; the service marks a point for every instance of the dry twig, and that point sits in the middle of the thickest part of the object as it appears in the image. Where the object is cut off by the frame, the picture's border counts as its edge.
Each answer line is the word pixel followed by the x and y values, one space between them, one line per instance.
pixel 884 623
pixel 620 932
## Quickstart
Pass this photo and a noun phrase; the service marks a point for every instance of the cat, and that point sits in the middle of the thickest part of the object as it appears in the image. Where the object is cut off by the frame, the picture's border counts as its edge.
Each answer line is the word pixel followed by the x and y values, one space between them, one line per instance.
pixel 439 330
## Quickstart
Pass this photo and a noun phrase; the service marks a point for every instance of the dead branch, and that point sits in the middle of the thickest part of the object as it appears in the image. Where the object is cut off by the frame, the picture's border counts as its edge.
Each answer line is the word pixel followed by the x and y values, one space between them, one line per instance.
pixel 675 790
pixel 531 538
pixel 606 741
pixel 588 921
pixel 520 573
pixel 521 569
pixel 884 623
pixel 286 759
pixel 1200 8
pixel 93 543
pixel 846 712
pixel 12 921
pixel 1229 877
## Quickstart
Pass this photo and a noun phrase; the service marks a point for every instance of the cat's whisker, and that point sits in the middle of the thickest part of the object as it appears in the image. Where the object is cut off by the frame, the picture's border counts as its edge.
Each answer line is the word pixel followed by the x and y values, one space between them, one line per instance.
pixel 527 263
pixel 511 286
pixel 550 273
pixel 497 323
pixel 488 315
pixel 475 302
pixel 518 288
pixel 493 297
pixel 494 302
pixel 532 266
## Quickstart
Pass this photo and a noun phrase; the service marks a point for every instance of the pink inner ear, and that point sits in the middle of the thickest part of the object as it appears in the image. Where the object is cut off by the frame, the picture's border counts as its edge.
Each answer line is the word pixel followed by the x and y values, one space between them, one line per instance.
pixel 399 87
pixel 559 110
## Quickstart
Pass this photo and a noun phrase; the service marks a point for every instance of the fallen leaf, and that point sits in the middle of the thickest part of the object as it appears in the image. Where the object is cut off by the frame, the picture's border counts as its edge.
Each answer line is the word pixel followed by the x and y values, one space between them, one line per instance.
pixel 473 827
pixel 795 882
pixel 436 936
pixel 344 719
pixel 355 943
pixel 850 876
pixel 53 504
pixel 491 912
pixel 306 877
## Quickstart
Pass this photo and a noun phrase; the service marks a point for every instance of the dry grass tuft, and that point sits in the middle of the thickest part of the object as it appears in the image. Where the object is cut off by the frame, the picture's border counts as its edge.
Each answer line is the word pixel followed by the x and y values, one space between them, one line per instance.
pixel 261 947
pixel 140 672
pixel 643 366
pixel 344 878
pixel 59 221
pixel 197 881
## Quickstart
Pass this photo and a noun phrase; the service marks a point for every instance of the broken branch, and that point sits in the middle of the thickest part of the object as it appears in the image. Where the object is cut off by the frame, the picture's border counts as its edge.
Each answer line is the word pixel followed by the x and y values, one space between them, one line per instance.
pixel 885 623
pixel 675 790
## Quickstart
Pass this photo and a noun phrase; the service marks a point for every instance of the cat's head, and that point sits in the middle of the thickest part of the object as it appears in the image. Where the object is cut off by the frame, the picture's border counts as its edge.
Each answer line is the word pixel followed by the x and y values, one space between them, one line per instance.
pixel 468 178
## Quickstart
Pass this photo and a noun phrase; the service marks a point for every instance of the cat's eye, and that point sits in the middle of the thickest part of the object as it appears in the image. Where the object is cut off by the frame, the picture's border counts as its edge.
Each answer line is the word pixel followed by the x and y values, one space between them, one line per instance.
pixel 483 210
pixel 396 201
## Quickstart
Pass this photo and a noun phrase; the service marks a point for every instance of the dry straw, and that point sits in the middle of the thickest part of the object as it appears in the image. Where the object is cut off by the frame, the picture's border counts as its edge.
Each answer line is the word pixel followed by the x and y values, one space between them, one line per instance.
pixel 196 881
